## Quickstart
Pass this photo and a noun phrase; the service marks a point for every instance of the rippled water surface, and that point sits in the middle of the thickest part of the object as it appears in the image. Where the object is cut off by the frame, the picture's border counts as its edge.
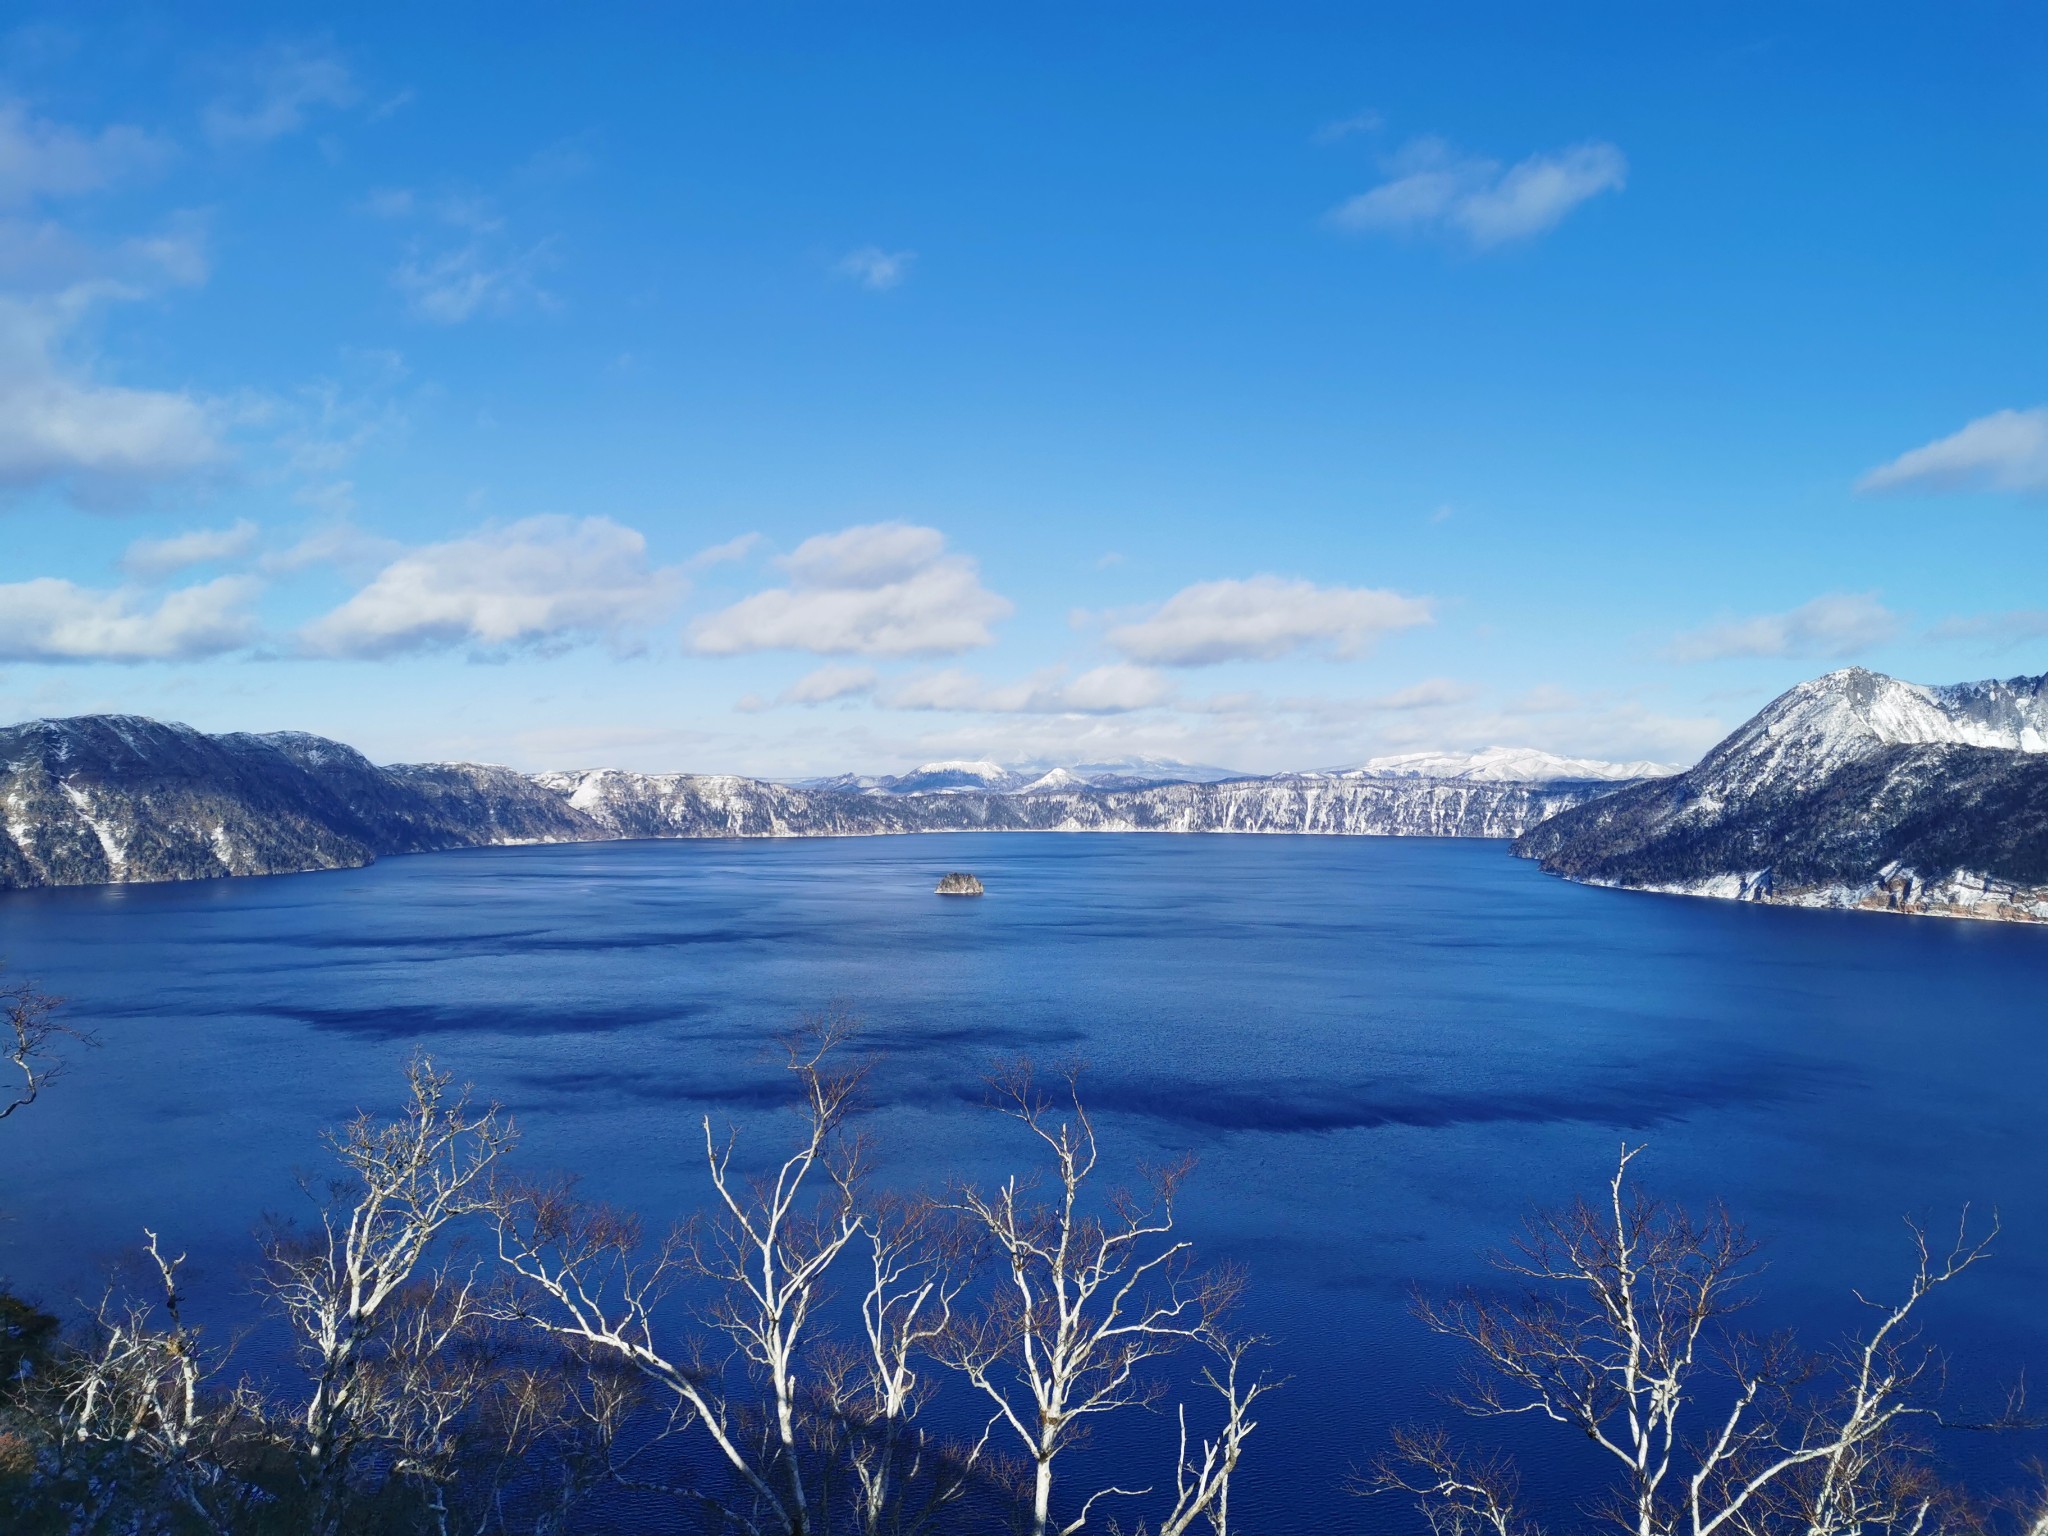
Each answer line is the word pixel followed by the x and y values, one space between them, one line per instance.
pixel 1382 1050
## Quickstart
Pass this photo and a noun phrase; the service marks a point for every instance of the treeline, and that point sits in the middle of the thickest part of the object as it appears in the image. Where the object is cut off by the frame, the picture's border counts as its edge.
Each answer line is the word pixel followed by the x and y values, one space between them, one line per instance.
pixel 478 1352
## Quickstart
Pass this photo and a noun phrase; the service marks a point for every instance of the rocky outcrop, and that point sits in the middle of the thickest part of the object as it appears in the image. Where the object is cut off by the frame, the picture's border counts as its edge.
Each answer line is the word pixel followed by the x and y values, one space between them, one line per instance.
pixel 1853 790
pixel 960 884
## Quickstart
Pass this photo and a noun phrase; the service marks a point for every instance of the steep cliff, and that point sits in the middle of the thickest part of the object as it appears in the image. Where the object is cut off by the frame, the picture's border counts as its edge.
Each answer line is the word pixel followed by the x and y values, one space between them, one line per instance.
pixel 115 798
pixel 707 805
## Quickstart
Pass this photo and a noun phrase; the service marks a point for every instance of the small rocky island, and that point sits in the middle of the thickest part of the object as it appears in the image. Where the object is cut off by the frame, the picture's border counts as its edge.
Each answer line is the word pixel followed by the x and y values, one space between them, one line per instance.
pixel 958 884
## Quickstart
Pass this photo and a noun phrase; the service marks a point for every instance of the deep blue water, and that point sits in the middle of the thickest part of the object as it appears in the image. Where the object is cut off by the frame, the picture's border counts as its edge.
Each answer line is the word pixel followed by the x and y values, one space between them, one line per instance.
pixel 1382 1050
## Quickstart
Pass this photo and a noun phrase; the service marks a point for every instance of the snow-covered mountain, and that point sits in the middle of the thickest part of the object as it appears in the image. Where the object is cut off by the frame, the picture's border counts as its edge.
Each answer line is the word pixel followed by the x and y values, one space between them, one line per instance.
pixel 102 799
pixel 113 798
pixel 1810 731
pixel 1054 778
pixel 957 777
pixel 1508 765
pixel 1854 789
pixel 708 805
pixel 1494 765
pixel 1148 770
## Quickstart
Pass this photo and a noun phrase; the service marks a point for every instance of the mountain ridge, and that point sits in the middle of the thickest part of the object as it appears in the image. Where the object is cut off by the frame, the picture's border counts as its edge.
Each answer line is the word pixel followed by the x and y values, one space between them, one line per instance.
pixel 1852 790
pixel 115 799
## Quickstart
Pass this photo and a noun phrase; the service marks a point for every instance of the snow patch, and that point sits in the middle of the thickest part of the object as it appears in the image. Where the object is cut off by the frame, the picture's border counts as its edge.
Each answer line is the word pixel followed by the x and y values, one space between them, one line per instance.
pixel 110 844
pixel 1508 765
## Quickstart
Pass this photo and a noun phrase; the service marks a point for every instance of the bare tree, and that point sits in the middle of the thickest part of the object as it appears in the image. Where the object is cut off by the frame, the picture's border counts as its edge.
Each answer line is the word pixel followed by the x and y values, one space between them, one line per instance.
pixel 1090 1298
pixel 588 1277
pixel 1202 1475
pixel 1622 1335
pixel 918 1266
pixel 138 1400
pixel 28 1042
pixel 492 1429
pixel 139 1383
pixel 1455 1492
pixel 2034 1514
pixel 767 1250
pixel 353 1290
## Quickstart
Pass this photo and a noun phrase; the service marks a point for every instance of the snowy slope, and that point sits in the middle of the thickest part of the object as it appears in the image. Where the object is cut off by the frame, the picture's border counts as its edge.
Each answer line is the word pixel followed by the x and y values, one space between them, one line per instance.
pixel 958 776
pixel 1854 789
pixel 104 799
pixel 1508 765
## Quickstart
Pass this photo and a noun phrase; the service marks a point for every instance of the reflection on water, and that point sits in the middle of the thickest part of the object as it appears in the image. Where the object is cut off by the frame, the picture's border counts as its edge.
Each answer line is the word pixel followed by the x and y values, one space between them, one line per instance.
pixel 1382 1050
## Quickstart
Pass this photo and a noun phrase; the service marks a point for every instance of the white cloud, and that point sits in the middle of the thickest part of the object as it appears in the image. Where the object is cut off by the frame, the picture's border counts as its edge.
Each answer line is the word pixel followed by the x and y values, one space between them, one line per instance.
pixel 1254 733
pixel 1430 693
pixel 52 620
pixel 1265 618
pixel 1833 628
pixel 393 104
pixel 100 442
pixel 829 683
pixel 1367 121
pixel 951 689
pixel 390 202
pixel 337 542
pixel 1112 690
pixel 1544 699
pixel 482 275
pixel 104 442
pixel 883 589
pixel 1106 691
pixel 2005 451
pixel 1432 188
pixel 1999 631
pixel 41 159
pixel 177 253
pixel 544 581
pixel 873 267
pixel 725 553
pixel 153 559
pixel 40 256
pixel 449 287
pixel 281 90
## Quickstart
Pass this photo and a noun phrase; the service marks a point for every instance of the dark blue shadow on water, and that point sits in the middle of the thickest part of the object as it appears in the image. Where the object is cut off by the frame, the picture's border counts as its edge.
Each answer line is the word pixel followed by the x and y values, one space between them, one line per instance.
pixel 1382 1051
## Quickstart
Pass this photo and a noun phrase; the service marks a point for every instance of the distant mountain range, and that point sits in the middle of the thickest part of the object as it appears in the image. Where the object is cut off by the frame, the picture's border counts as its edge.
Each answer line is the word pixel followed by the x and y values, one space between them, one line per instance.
pixel 948 778
pixel 1852 790
pixel 1510 765
pixel 1495 765
pixel 116 798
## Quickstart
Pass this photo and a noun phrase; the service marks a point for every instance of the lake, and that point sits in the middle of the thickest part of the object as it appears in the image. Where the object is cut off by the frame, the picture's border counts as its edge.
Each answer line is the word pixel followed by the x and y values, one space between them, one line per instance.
pixel 1383 1051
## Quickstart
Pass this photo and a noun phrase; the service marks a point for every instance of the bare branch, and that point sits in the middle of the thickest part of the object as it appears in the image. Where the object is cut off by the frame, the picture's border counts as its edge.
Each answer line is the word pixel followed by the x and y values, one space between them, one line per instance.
pixel 29 1034
pixel 366 1326
pixel 1622 1333
pixel 1092 1296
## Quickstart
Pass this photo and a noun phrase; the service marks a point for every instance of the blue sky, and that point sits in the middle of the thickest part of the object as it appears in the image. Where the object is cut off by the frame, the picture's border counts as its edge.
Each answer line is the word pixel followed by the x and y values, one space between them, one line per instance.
pixel 788 389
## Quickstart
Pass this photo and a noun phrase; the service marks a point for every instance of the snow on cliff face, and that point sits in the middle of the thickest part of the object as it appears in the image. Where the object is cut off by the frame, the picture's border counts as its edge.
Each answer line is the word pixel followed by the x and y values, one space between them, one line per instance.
pixel 101 799
pixel 104 799
pixel 1853 789
pixel 704 805
pixel 1806 734
pixel 1508 765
